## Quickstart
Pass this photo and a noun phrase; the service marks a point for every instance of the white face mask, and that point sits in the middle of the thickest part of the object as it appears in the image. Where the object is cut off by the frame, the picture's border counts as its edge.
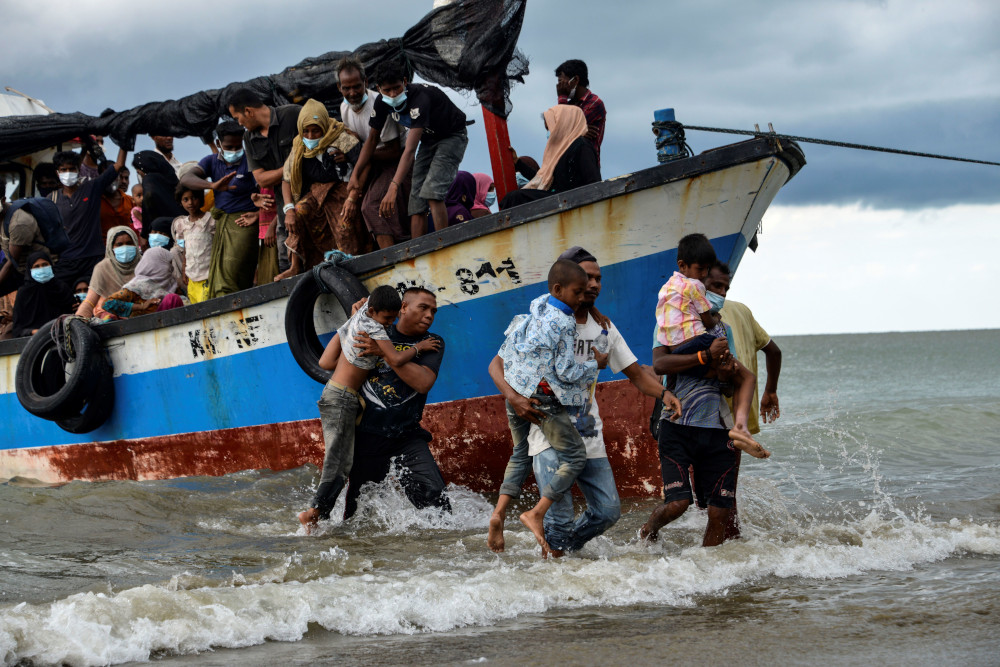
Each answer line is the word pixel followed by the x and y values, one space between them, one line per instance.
pixel 69 178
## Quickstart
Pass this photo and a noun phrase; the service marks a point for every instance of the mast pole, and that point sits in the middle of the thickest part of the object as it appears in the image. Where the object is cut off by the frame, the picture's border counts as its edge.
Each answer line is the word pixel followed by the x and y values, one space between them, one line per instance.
pixel 501 159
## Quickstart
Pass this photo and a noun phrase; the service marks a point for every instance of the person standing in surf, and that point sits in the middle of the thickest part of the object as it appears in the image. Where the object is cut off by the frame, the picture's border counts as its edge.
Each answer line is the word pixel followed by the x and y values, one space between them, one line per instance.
pixel 597 481
pixel 702 437
pixel 539 363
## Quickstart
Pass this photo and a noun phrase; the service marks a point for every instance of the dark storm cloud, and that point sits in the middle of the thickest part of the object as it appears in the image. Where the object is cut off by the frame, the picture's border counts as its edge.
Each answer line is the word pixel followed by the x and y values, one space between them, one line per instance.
pixel 917 75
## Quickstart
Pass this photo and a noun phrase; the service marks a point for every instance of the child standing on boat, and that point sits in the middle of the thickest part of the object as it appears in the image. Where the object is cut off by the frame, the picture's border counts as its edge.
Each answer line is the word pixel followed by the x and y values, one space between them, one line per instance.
pixel 686 323
pixel 340 405
pixel 195 232
pixel 539 363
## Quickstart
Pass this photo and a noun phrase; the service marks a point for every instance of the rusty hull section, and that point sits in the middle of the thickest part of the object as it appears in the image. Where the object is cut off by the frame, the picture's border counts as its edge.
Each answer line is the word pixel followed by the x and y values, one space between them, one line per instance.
pixel 471 444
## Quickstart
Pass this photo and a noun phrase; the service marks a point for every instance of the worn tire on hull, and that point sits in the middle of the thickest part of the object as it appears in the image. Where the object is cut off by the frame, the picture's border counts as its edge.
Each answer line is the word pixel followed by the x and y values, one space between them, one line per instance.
pixel 98 406
pixel 52 395
pixel 300 329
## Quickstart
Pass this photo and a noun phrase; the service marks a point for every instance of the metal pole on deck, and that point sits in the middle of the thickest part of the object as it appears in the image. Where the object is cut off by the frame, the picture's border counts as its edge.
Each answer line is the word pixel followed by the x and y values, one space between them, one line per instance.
pixel 500 157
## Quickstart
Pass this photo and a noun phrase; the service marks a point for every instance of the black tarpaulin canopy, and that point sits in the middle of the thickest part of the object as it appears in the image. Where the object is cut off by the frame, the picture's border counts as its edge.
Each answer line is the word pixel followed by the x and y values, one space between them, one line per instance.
pixel 469 45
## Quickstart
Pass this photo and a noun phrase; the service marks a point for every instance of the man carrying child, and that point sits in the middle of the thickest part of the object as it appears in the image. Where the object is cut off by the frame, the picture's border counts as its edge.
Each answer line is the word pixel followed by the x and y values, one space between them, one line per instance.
pixel 539 363
pixel 340 403
pixel 707 435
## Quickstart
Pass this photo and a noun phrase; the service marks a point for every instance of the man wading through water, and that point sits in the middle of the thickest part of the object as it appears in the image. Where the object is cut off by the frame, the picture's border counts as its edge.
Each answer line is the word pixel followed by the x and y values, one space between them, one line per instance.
pixel 597 480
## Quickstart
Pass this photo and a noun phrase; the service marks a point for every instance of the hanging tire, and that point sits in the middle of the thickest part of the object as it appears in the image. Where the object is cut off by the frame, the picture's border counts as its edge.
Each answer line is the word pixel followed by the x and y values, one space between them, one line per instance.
pixel 300 329
pixel 98 406
pixel 51 390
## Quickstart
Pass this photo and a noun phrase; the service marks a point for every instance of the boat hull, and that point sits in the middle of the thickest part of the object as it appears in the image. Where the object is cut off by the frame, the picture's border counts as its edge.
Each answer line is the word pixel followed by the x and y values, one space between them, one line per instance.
pixel 213 388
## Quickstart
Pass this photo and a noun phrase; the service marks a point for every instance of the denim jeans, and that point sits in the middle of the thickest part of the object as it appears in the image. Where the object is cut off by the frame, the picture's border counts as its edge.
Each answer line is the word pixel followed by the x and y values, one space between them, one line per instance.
pixel 603 507
pixel 565 440
pixel 338 412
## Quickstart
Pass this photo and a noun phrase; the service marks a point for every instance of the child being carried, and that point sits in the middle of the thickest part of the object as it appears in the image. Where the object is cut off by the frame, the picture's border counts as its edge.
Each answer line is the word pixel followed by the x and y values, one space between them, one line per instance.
pixel 539 363
pixel 340 405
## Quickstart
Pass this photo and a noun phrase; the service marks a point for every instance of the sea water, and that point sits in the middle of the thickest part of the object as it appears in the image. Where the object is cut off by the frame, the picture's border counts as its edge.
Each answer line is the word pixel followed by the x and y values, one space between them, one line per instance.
pixel 872 536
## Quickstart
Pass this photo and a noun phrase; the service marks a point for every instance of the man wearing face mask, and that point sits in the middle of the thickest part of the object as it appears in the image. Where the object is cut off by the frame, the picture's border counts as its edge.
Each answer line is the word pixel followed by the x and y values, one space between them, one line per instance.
pixel 357 109
pixel 572 87
pixel 436 125
pixel 234 247
pixel 80 207
pixel 268 139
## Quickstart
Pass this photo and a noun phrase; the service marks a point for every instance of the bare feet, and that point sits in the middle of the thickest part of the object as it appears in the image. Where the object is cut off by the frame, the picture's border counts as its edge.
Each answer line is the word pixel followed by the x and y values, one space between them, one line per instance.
pixel 309 519
pixel 286 274
pixel 647 534
pixel 744 442
pixel 533 522
pixel 495 537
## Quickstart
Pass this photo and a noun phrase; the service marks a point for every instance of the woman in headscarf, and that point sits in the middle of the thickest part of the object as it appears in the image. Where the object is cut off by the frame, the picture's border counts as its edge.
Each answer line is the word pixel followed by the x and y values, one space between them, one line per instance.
pixel 460 199
pixel 121 254
pixel 158 181
pixel 41 298
pixel 569 160
pixel 486 195
pixel 161 235
pixel 315 186
pixel 151 290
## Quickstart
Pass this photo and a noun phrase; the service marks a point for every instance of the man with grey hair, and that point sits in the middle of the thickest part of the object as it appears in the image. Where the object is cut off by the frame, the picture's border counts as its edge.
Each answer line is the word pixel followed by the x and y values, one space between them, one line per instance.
pixel 357 109
pixel 597 480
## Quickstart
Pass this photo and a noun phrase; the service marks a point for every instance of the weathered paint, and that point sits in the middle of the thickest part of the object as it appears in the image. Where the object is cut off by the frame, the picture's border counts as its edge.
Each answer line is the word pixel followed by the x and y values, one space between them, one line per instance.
pixel 472 444
pixel 230 396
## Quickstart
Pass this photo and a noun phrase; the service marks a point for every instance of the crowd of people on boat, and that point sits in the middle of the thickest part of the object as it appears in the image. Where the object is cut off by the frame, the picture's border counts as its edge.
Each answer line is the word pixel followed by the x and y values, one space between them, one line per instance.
pixel 384 360
pixel 281 187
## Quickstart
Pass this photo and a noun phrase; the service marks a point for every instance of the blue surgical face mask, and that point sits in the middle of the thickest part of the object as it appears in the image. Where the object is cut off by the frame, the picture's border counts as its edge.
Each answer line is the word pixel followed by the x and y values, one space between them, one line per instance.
pixel 232 157
pixel 125 253
pixel 716 300
pixel 80 296
pixel 395 102
pixel 547 135
pixel 522 180
pixel 158 240
pixel 180 242
pixel 491 198
pixel 360 105
pixel 310 143
pixel 42 274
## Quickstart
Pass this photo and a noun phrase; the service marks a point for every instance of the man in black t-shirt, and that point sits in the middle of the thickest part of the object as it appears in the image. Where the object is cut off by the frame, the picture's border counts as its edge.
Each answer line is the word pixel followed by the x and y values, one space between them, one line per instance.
pixel 437 125
pixel 394 405
pixel 79 204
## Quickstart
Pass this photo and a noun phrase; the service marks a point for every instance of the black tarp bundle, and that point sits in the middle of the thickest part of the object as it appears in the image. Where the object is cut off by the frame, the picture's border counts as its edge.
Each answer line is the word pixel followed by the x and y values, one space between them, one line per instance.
pixel 469 45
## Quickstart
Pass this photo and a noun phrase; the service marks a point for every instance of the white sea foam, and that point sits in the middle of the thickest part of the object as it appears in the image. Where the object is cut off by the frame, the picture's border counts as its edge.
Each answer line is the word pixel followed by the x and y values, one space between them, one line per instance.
pixel 467 585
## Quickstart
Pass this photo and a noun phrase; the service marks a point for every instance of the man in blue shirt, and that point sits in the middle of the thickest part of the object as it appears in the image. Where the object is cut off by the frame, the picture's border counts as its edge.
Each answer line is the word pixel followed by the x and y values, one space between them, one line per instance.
pixel 235 247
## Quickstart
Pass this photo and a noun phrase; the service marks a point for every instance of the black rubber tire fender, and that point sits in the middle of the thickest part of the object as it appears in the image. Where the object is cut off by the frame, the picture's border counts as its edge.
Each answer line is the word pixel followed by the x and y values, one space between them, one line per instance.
pixel 300 329
pixel 99 403
pixel 68 400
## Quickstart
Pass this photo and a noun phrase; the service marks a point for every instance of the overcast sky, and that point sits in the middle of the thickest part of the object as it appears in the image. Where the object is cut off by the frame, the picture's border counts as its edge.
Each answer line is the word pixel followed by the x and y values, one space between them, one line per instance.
pixel 916 75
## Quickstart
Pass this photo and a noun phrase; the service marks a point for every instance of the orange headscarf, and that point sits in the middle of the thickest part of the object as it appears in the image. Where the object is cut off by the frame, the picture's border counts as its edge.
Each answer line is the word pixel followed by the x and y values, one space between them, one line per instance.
pixel 566 124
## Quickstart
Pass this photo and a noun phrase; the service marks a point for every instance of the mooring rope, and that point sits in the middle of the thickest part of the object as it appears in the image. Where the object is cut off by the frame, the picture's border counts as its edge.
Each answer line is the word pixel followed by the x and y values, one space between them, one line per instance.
pixel 840 144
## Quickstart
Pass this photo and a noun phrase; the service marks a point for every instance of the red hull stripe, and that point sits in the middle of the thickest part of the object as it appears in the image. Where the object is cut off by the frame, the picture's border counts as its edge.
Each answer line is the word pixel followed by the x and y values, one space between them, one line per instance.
pixel 471 444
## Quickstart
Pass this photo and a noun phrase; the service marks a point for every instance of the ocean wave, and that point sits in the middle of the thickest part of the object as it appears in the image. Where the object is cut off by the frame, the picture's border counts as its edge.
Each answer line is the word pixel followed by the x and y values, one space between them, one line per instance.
pixel 458 583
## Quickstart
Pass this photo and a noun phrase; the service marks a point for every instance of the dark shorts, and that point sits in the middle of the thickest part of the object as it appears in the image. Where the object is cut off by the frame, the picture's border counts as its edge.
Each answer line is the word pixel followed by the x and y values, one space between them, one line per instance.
pixel 715 461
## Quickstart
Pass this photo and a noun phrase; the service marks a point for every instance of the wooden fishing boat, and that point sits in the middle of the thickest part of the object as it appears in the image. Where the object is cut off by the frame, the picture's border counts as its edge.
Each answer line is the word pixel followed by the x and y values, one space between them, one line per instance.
pixel 215 388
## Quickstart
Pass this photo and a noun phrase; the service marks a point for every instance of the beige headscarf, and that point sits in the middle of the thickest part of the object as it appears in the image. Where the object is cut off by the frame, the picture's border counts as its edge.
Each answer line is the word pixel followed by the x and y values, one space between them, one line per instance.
pixel 314 113
pixel 566 124
pixel 110 275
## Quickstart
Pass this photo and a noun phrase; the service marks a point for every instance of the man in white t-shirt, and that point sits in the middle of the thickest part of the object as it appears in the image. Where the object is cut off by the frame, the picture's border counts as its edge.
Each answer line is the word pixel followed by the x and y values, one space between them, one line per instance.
pixel 597 482
pixel 356 110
